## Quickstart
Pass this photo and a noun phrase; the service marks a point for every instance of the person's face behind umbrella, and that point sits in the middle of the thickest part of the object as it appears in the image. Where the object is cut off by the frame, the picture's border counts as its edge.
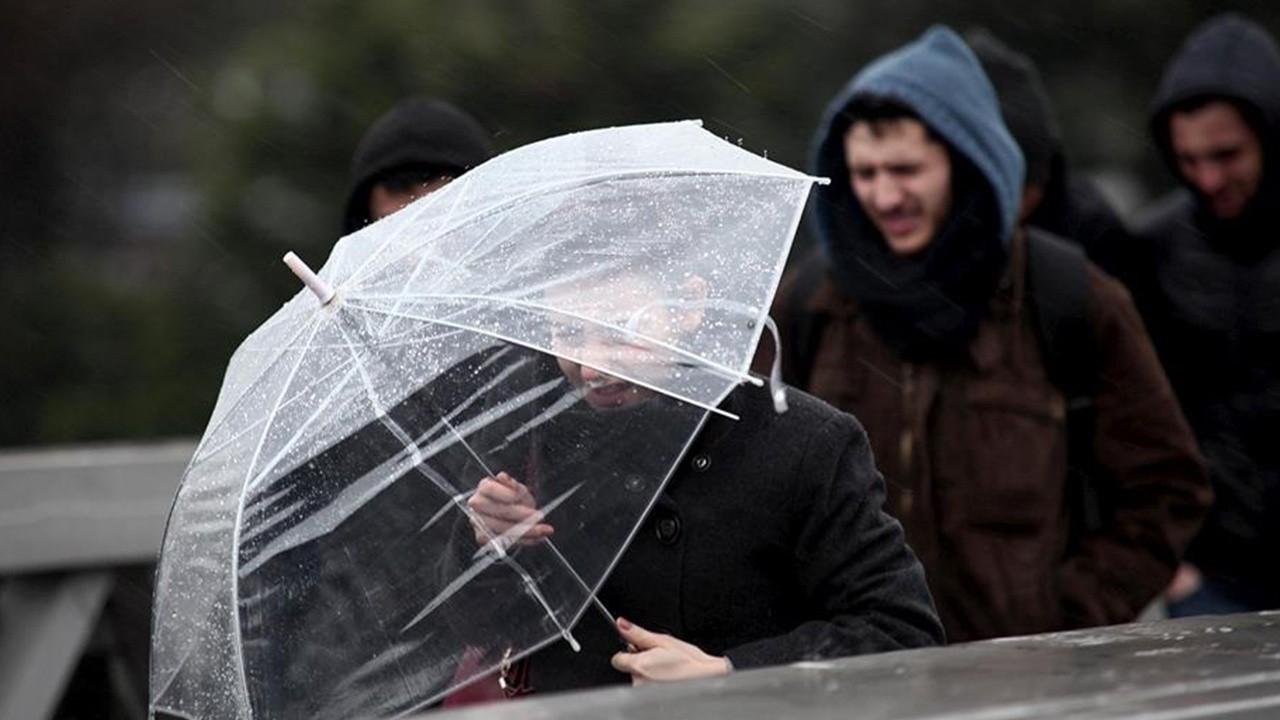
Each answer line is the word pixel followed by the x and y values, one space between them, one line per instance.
pixel 647 319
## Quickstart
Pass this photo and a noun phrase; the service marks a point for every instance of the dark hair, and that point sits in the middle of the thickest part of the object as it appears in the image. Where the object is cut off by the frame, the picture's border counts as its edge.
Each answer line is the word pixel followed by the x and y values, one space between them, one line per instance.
pixel 1252 116
pixel 877 110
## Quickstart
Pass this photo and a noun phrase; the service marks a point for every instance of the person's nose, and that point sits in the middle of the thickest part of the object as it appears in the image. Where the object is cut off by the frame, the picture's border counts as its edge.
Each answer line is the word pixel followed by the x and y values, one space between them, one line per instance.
pixel 590 374
pixel 1210 178
pixel 886 194
pixel 596 354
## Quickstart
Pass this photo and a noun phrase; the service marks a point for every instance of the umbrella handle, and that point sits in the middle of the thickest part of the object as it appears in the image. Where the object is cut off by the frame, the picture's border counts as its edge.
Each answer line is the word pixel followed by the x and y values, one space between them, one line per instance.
pixel 777 390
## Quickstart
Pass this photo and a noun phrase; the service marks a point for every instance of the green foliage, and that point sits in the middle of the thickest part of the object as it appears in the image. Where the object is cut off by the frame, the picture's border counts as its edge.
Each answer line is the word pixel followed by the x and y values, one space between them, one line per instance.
pixel 131 362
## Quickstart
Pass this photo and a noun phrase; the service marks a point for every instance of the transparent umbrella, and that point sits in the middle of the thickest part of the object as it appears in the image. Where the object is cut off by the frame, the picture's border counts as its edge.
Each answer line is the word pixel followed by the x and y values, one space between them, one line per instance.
pixel 566 314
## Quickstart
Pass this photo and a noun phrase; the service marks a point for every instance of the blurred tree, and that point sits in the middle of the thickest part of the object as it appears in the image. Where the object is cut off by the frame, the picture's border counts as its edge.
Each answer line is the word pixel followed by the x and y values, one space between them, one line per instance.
pixel 159 157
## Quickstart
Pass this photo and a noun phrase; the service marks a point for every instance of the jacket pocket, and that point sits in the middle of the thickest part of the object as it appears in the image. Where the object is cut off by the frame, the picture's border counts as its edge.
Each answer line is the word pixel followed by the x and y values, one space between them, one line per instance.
pixel 1000 456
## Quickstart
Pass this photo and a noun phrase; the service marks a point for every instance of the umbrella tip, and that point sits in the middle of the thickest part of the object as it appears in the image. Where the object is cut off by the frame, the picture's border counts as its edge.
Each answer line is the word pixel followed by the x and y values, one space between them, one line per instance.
pixel 323 290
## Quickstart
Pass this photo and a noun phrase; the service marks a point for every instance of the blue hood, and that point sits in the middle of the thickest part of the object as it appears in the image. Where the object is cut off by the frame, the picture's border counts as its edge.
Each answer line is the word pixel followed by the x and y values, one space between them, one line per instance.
pixel 939 78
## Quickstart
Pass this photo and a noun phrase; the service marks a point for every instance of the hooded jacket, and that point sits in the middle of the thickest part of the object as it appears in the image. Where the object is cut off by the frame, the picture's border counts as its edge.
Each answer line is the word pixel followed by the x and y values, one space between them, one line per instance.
pixel 1213 306
pixel 939 77
pixel 927 306
pixel 415 134
pixel 972 443
pixel 1072 206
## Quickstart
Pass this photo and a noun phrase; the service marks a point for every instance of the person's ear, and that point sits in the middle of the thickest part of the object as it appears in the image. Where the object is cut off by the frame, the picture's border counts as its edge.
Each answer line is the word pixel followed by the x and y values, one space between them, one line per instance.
pixel 692 294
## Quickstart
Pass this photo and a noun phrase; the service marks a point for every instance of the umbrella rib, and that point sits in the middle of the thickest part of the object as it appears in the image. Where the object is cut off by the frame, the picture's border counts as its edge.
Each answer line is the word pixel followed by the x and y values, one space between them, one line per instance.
pixel 531 346
pixel 483 559
pixel 280 352
pixel 173 712
pixel 174 676
pixel 458 498
pixel 235 540
pixel 727 372
pixel 522 399
pixel 315 415
pixel 494 550
pixel 530 584
pixel 455 265
pixel 250 428
pixel 415 460
pixel 364 271
pixel 411 213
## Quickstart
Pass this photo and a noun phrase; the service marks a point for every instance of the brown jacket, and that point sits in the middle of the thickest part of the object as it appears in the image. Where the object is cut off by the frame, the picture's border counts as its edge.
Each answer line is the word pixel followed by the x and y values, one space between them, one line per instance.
pixel 974 453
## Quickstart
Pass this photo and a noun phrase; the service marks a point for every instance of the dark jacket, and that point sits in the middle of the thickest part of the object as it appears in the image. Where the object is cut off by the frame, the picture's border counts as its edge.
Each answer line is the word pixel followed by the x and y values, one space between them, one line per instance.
pixel 1213 305
pixel 971 439
pixel 415 134
pixel 974 454
pixel 1072 206
pixel 768 545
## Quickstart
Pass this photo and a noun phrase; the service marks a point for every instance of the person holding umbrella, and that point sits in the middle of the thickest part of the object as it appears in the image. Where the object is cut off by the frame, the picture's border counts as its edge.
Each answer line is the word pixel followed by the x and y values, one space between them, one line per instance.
pixel 577 315
pixel 769 544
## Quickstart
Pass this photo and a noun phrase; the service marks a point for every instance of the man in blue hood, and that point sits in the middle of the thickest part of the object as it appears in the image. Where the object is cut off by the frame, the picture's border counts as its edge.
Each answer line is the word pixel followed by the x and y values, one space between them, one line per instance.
pixel 1213 304
pixel 923 323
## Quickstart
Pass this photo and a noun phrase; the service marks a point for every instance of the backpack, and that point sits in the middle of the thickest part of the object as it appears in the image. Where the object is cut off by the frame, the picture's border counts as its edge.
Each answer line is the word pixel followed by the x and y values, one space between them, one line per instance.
pixel 1058 284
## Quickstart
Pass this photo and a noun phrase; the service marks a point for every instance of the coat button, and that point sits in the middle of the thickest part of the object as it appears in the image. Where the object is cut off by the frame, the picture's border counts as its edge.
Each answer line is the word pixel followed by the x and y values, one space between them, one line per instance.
pixel 667 528
pixel 701 462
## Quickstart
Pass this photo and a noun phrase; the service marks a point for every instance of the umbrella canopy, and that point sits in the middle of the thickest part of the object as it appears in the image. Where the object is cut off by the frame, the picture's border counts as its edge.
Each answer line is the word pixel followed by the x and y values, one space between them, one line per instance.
pixel 567 313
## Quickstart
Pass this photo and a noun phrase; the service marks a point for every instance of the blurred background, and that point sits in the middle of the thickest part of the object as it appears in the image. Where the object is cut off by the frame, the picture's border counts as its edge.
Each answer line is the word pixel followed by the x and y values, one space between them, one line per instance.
pixel 158 157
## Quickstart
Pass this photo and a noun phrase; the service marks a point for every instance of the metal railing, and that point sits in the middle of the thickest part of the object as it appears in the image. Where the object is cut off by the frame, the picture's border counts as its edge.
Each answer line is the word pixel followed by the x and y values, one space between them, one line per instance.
pixel 72 521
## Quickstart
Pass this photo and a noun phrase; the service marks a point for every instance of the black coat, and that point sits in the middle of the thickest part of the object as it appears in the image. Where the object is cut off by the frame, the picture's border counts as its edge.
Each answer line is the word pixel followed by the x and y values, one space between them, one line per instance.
pixel 1215 320
pixel 768 545
pixel 1212 303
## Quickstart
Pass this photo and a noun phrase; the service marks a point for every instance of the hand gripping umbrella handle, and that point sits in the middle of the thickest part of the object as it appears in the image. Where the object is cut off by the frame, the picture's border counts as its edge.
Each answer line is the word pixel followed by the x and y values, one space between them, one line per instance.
pixel 322 289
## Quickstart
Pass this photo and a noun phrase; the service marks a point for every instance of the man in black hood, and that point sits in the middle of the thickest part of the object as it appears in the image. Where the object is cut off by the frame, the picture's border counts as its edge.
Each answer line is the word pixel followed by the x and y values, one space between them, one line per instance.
pixel 1214 303
pixel 415 148
pixel 1054 198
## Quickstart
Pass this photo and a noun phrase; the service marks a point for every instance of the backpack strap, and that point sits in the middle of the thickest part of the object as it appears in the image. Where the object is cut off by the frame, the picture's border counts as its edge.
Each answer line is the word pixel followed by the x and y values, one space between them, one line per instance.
pixel 1058 284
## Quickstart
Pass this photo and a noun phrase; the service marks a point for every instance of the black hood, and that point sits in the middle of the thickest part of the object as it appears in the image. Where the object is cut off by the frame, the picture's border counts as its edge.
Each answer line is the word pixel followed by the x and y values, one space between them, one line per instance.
pixel 1071 206
pixel 418 134
pixel 1024 104
pixel 1233 58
